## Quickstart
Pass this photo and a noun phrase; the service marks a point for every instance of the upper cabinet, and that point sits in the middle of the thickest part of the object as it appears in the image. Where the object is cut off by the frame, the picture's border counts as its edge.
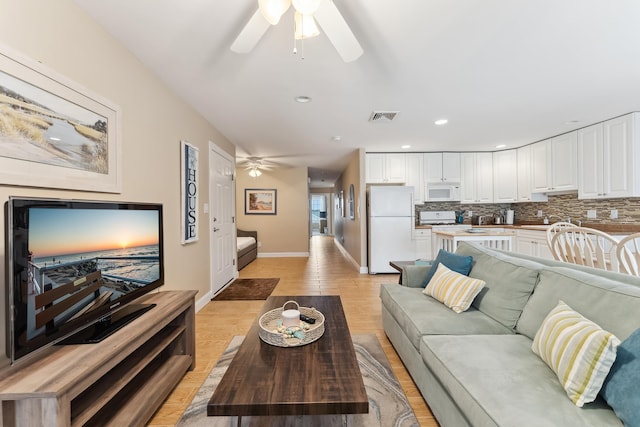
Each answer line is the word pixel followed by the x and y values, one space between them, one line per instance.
pixel 554 164
pixel 385 168
pixel 525 187
pixel 505 176
pixel 442 167
pixel 415 175
pixel 608 157
pixel 476 185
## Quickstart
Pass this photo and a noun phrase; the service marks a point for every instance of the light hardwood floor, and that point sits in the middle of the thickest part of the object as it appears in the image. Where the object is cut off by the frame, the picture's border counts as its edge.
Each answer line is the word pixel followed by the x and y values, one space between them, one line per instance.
pixel 326 272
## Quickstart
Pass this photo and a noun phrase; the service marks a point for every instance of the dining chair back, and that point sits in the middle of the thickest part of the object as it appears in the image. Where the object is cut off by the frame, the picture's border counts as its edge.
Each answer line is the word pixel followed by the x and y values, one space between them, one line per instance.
pixel 551 231
pixel 586 246
pixel 628 253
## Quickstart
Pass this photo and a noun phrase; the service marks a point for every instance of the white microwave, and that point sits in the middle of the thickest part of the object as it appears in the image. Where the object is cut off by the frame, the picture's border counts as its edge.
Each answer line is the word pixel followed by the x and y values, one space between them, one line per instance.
pixel 443 192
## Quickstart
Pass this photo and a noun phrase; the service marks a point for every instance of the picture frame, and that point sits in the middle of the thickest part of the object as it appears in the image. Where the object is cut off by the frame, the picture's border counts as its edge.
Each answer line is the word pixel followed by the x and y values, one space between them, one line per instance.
pixel 69 137
pixel 352 212
pixel 260 201
pixel 189 185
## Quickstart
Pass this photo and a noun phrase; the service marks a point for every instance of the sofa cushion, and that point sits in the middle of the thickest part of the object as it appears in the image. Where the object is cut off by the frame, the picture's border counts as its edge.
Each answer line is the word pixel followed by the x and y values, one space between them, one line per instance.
pixel 418 314
pixel 458 263
pixel 620 389
pixel 606 302
pixel 496 380
pixel 509 282
pixel 413 275
pixel 453 289
pixel 577 350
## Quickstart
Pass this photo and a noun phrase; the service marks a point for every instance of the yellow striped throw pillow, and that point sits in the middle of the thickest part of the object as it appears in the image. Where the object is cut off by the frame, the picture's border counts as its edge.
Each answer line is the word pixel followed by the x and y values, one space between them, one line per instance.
pixel 577 350
pixel 453 289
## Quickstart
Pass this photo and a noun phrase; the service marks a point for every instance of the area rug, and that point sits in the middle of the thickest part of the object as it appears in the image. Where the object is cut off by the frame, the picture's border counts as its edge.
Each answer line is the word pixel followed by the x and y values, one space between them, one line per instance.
pixel 388 405
pixel 248 289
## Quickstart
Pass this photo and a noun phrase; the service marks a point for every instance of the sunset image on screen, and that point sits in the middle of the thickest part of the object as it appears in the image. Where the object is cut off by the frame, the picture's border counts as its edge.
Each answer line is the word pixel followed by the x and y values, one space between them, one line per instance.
pixel 64 231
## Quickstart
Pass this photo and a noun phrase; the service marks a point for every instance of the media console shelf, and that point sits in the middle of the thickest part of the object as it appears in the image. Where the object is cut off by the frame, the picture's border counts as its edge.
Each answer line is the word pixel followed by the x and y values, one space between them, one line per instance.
pixel 119 381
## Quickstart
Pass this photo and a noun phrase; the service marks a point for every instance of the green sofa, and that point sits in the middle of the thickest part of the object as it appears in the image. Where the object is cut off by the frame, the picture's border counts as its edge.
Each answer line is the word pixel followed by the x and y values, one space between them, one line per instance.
pixel 477 368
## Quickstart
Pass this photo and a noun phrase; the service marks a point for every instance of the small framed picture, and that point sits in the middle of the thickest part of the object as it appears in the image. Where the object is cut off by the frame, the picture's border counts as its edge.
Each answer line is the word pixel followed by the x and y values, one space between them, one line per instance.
pixel 260 201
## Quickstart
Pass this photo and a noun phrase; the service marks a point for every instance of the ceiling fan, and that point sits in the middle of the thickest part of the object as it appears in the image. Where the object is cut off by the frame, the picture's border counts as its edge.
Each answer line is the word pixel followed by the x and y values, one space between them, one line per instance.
pixel 255 165
pixel 306 13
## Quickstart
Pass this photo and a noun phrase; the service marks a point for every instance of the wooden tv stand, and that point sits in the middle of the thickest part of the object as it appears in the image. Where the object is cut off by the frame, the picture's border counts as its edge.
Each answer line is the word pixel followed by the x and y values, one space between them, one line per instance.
pixel 121 380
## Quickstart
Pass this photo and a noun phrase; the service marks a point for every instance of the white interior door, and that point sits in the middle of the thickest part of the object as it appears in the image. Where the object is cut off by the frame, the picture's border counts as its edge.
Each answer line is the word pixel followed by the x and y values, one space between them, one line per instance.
pixel 222 218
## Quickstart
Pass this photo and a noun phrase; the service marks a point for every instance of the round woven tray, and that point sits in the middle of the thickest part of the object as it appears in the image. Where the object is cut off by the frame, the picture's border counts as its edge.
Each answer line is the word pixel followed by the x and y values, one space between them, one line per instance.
pixel 271 320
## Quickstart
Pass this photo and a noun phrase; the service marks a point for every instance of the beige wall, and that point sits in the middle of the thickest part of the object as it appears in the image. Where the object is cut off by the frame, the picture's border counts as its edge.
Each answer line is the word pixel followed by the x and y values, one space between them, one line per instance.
pixel 351 234
pixel 284 234
pixel 60 36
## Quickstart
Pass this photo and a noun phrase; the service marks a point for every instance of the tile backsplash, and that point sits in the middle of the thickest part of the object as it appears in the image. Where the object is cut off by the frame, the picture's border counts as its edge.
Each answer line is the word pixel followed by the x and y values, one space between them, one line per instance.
pixel 563 206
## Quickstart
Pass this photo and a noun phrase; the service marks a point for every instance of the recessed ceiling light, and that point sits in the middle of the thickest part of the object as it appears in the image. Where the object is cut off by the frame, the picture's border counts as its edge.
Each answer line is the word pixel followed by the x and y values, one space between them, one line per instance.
pixel 404 147
pixel 336 138
pixel 572 122
pixel 441 122
pixel 501 145
pixel 302 99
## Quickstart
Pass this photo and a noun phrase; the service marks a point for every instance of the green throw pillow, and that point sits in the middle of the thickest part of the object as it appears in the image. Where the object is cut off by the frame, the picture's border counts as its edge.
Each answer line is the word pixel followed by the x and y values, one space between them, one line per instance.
pixel 458 263
pixel 577 350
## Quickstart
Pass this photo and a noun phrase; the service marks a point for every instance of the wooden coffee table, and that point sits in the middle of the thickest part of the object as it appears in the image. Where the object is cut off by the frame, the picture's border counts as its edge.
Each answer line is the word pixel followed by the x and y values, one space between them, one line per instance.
pixel 322 377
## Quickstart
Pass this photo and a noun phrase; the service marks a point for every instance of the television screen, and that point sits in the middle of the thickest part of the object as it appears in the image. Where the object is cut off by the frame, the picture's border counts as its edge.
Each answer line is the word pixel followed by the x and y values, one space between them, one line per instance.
pixel 72 263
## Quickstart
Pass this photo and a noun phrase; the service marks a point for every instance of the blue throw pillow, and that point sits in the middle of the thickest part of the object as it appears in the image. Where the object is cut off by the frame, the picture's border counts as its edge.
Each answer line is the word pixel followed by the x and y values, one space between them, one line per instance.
pixel 458 263
pixel 620 388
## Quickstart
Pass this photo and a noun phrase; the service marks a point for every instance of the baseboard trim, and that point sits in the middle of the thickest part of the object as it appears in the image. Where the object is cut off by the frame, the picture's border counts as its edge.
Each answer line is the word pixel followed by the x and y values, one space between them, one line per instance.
pixel 204 300
pixel 362 270
pixel 283 254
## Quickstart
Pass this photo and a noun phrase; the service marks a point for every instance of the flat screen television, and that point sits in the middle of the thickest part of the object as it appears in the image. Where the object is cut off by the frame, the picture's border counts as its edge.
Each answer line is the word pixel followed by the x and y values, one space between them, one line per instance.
pixel 74 267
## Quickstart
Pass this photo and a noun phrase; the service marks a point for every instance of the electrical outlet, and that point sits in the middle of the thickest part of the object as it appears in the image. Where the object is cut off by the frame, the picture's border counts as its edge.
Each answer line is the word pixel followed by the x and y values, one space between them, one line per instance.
pixel 614 214
pixel 259 244
pixel 470 214
pixel 539 213
pixel 591 214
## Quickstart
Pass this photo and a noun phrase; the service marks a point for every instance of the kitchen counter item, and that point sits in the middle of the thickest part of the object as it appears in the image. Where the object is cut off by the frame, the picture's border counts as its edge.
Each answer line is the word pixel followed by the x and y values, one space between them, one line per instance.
pixel 509 217
pixel 479 220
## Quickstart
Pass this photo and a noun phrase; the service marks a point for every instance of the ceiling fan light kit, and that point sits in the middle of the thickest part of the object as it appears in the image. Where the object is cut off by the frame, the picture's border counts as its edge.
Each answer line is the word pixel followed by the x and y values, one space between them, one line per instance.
pixel 324 12
pixel 306 7
pixel 305 27
pixel 272 10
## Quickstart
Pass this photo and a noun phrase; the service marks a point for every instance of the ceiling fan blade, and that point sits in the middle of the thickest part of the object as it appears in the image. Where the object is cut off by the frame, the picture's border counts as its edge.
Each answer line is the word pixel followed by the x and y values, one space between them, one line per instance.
pixel 338 32
pixel 251 33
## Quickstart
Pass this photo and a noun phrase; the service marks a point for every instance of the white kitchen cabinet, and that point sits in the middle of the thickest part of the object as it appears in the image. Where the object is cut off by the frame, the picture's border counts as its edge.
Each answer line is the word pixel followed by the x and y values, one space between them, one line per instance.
pixel 505 176
pixel 422 238
pixel 385 168
pixel 476 185
pixel 525 193
pixel 554 165
pixel 533 243
pixel 415 175
pixel 442 167
pixel 608 157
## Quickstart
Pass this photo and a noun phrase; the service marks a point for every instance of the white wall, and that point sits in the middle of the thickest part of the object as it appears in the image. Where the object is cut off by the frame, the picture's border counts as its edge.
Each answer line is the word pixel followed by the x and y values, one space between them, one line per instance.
pixel 60 36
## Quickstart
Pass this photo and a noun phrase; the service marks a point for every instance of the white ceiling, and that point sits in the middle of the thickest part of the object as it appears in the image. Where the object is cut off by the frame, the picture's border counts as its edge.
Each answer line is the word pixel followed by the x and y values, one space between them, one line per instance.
pixel 502 71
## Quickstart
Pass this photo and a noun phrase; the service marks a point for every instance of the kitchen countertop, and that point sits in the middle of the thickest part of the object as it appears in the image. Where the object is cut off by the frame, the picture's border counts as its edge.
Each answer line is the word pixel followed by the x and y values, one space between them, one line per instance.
pixel 607 228
pixel 464 233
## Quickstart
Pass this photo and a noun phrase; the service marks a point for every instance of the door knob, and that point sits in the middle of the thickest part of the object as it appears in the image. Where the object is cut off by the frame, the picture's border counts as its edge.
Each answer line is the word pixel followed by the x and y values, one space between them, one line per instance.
pixel 215 229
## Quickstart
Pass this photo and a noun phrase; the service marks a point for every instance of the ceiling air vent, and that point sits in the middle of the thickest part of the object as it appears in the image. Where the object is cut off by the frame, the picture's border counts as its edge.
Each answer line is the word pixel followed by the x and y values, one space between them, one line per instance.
pixel 383 116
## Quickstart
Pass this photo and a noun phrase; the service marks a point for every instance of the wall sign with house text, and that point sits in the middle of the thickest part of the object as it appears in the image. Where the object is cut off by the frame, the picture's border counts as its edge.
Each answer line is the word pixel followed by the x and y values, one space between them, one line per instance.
pixel 189 189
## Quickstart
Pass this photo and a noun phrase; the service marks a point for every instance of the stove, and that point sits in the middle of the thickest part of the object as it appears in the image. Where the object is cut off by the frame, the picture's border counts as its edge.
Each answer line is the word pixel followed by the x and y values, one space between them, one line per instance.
pixel 441 220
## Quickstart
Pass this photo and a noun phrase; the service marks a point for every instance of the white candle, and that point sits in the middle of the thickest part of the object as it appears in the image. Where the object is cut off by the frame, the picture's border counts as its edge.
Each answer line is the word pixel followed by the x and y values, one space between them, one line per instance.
pixel 290 318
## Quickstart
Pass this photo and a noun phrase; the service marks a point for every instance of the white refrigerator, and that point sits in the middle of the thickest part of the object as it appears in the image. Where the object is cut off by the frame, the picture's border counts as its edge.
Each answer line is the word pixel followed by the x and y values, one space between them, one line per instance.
pixel 390 225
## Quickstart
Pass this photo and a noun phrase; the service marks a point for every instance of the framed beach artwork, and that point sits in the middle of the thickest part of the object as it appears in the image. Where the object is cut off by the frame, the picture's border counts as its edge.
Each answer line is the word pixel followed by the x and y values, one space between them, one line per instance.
pixel 260 201
pixel 53 132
